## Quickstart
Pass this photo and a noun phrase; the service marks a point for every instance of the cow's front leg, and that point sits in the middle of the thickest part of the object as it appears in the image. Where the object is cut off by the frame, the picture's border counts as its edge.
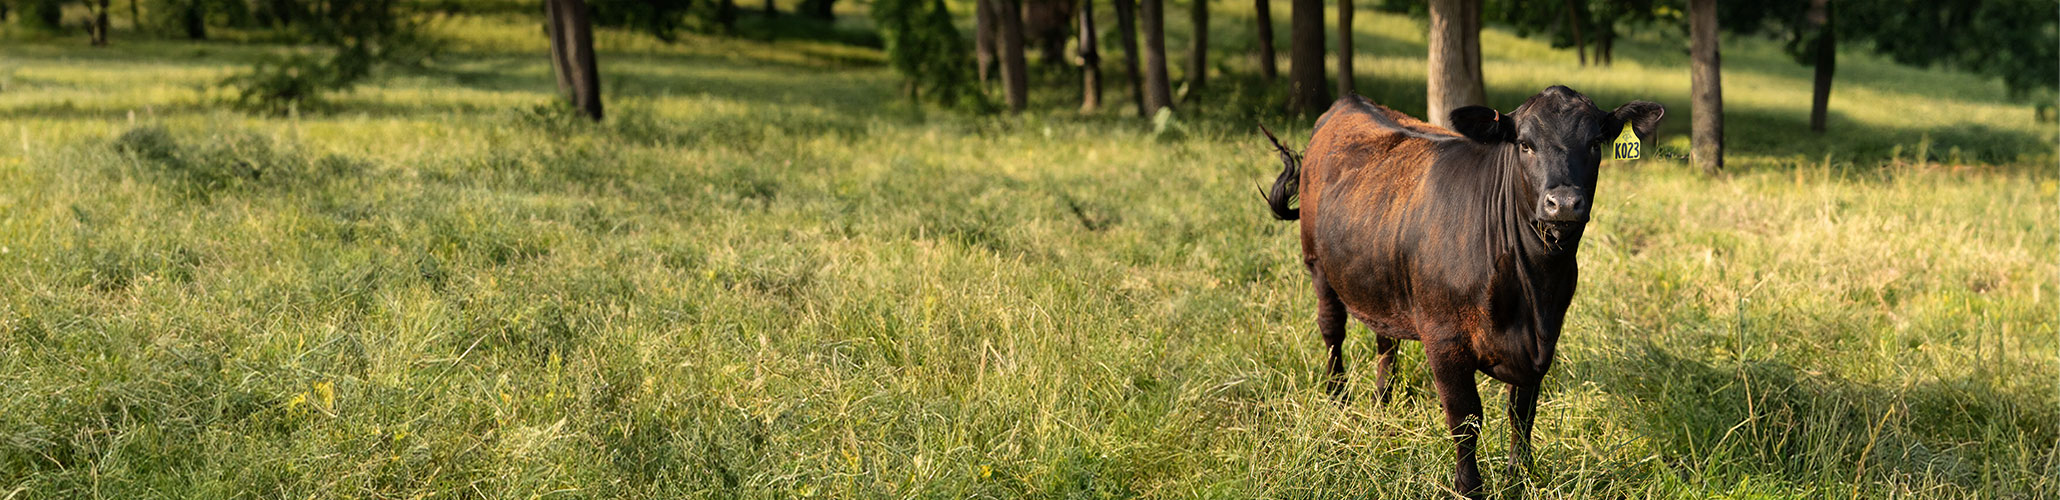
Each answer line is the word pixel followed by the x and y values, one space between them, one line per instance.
pixel 1523 408
pixel 1452 369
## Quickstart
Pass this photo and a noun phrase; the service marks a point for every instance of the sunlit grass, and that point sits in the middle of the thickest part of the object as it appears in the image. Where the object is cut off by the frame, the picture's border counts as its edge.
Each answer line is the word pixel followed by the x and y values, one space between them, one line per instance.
pixel 764 276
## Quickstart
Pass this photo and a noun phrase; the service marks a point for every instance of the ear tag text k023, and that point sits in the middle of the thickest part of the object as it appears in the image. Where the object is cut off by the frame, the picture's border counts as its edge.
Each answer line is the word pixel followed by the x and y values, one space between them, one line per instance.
pixel 1626 146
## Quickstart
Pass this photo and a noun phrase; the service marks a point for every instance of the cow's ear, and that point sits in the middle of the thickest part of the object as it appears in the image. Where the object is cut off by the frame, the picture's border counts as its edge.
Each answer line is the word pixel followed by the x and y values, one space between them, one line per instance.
pixel 1642 115
pixel 1482 123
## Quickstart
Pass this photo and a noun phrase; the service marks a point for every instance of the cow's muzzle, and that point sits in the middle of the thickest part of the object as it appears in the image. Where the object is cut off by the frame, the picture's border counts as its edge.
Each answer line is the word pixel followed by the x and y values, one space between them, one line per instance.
pixel 1563 205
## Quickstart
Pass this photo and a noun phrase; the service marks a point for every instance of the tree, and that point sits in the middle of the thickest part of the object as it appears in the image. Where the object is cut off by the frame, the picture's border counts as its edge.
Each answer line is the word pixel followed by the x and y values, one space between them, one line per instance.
pixel 1307 92
pixel 1157 92
pixel 1015 83
pixel 572 55
pixel 819 9
pixel 1198 49
pixel 1573 20
pixel 1126 26
pixel 1090 60
pixel 98 28
pixel 926 49
pixel 1264 10
pixel 1455 59
pixel 1705 87
pixel 983 38
pixel 1345 48
pixel 1825 50
pixel 2017 41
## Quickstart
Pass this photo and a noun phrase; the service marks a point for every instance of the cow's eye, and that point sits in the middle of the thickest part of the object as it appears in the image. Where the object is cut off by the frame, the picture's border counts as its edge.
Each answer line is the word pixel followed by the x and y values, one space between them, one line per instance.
pixel 1526 145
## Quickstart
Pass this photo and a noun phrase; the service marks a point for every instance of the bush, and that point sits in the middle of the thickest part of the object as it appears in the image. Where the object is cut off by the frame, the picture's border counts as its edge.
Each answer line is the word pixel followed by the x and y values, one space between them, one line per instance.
pixel 39 15
pixel 927 50
pixel 361 37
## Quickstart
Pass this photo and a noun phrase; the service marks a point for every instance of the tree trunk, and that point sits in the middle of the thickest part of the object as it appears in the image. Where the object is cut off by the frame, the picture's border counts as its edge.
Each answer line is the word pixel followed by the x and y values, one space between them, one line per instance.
pixel 1126 26
pixel 824 9
pixel 1705 87
pixel 1604 41
pixel 135 17
pixel 1158 92
pixel 1090 60
pixel 771 11
pixel 725 15
pixel 1455 59
pixel 983 38
pixel 1307 92
pixel 1826 50
pixel 1345 87
pixel 1573 19
pixel 1015 83
pixel 1267 65
pixel 572 55
pixel 561 61
pixel 99 26
pixel 1198 50
pixel 195 20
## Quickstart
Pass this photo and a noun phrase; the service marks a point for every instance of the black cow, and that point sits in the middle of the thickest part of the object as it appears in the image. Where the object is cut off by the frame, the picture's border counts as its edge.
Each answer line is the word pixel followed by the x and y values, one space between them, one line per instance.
pixel 1461 239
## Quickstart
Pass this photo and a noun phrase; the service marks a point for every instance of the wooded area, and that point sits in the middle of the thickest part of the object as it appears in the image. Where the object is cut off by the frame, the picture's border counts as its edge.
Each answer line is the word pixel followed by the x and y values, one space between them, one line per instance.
pixel 2012 40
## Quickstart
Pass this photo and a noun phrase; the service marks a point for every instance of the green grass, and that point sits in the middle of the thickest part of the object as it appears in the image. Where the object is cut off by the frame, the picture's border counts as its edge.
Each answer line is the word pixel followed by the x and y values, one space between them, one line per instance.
pixel 765 277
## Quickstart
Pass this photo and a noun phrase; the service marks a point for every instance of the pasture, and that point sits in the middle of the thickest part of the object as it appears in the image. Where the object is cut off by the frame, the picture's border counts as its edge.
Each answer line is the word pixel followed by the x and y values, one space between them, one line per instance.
pixel 765 275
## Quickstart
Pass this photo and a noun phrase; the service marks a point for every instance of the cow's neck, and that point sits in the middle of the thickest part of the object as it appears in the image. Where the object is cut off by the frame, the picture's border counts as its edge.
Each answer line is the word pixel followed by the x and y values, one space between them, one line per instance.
pixel 1523 260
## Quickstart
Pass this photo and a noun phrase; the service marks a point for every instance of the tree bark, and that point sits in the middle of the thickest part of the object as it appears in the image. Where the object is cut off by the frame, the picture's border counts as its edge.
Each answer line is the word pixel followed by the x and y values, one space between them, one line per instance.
pixel 1126 26
pixel 1090 60
pixel 1455 59
pixel 1158 91
pixel 195 20
pixel 1573 19
pixel 1268 67
pixel 135 17
pixel 1705 87
pixel 771 11
pixel 1015 82
pixel 1198 50
pixel 1307 92
pixel 99 26
pixel 1826 49
pixel 572 47
pixel 1345 86
pixel 983 38
pixel 1604 40
pixel 725 15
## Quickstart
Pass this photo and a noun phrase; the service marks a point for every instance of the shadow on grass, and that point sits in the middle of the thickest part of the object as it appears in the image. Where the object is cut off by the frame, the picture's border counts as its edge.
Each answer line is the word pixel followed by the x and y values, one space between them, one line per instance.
pixel 1724 420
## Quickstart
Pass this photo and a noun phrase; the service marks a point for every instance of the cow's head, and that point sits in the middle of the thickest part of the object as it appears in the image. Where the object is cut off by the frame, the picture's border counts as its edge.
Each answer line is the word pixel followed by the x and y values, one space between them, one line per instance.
pixel 1558 138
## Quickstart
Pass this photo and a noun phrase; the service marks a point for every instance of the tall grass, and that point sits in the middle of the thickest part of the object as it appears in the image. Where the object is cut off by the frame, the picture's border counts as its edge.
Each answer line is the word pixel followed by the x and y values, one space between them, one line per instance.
pixel 765 277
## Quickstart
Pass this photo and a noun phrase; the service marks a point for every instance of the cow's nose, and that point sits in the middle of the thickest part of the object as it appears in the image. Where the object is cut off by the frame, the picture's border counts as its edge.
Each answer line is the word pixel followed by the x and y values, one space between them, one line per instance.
pixel 1564 205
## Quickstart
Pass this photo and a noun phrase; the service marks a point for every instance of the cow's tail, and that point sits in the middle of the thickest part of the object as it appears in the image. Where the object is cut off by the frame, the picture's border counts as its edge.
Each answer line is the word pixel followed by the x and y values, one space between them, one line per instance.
pixel 1287 186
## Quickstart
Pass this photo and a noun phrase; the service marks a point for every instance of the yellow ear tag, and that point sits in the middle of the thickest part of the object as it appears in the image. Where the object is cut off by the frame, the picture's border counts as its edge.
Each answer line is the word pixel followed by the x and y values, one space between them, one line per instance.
pixel 1626 147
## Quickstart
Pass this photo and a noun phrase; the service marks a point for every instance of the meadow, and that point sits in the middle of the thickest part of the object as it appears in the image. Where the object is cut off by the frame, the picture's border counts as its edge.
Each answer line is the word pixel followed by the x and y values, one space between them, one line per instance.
pixel 765 275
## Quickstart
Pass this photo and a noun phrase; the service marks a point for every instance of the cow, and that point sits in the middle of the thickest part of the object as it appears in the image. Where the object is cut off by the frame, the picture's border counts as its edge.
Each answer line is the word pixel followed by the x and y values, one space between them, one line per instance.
pixel 1463 239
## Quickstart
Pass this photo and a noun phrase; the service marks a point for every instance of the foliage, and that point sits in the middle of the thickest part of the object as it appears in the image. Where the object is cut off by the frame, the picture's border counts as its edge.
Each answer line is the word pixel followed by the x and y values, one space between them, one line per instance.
pixel 762 279
pixel 659 18
pixel 924 46
pixel 358 36
pixel 2017 41
pixel 38 15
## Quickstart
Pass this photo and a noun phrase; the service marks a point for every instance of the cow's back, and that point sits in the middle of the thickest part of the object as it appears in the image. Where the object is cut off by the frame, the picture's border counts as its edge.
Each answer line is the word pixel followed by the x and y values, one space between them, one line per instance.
pixel 1363 182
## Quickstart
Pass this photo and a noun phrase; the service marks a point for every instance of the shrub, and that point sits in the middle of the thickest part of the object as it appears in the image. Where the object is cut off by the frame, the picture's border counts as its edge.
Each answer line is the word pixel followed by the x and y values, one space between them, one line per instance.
pixel 927 50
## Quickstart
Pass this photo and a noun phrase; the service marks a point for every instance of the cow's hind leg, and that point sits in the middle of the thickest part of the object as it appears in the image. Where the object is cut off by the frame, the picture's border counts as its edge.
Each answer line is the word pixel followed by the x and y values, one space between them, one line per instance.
pixel 1383 367
pixel 1330 319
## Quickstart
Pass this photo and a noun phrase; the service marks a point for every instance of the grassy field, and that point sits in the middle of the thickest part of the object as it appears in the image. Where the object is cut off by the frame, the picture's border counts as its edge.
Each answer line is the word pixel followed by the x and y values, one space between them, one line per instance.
pixel 766 277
